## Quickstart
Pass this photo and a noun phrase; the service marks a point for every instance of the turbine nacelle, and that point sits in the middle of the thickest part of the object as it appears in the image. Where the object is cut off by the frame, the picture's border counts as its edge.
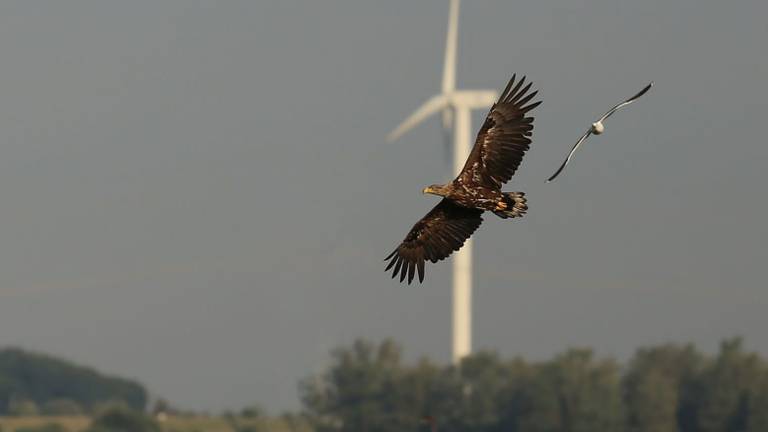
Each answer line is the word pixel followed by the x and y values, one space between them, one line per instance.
pixel 472 99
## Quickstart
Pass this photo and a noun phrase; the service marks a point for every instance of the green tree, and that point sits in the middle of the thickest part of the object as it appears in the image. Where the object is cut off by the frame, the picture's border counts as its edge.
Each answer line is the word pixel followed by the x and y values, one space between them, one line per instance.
pixel 667 388
pixel 22 407
pixel 108 405
pixel 487 392
pixel 659 388
pixel 573 393
pixel 57 407
pixel 41 378
pixel 726 387
pixel 652 403
pixel 423 390
pixel 252 411
pixel 120 419
pixel 355 395
pixel 757 404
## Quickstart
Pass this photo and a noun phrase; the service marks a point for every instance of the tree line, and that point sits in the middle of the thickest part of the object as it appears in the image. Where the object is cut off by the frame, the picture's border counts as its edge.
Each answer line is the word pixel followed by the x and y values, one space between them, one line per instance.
pixel 32 383
pixel 666 388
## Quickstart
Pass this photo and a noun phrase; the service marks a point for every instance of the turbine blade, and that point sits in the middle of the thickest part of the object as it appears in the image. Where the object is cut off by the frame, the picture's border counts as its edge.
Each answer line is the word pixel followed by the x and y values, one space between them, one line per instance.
pixel 431 106
pixel 449 67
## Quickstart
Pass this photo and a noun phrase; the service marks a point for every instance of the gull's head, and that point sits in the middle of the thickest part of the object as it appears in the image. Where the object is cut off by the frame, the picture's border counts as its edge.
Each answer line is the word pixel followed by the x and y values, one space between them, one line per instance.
pixel 598 128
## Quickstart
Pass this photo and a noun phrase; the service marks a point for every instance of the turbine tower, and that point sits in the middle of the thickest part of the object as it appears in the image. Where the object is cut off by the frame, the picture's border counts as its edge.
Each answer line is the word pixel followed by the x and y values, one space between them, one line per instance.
pixel 456 107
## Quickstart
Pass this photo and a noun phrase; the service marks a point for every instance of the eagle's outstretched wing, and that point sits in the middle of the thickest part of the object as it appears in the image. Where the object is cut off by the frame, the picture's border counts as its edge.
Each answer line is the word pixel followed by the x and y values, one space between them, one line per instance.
pixel 503 139
pixel 443 230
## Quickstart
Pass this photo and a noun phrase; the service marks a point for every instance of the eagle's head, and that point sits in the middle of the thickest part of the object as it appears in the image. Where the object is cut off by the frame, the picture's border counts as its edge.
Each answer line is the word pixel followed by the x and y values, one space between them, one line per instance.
pixel 436 189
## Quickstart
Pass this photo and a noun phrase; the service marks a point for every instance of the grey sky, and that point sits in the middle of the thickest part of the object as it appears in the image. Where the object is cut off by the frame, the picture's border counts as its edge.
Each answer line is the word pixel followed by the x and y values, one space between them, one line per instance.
pixel 199 194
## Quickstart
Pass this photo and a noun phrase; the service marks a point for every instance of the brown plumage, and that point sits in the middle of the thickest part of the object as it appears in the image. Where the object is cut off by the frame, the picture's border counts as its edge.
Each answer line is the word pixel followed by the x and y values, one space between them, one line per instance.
pixel 499 148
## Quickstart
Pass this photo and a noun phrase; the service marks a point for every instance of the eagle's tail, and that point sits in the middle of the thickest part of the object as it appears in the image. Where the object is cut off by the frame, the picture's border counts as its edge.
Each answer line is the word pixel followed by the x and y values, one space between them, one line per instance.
pixel 512 204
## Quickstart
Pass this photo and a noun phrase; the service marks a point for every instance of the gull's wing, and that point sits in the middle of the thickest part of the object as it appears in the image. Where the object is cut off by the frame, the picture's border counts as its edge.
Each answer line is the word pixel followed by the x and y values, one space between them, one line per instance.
pixel 573 150
pixel 626 102
pixel 589 131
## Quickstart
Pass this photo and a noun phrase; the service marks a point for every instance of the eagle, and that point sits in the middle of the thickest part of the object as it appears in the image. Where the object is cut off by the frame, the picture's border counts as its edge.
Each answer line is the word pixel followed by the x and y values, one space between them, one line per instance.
pixel 499 147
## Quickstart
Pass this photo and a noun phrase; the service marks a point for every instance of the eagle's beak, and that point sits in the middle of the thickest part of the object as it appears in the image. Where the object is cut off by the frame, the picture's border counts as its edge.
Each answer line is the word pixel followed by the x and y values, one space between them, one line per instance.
pixel 426 190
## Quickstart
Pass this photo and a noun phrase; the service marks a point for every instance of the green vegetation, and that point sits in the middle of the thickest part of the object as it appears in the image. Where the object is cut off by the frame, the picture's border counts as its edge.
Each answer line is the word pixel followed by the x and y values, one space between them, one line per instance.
pixel 369 388
pixel 121 419
pixel 48 427
pixel 29 381
pixel 668 388
pixel 171 424
pixel 68 424
pixel 61 407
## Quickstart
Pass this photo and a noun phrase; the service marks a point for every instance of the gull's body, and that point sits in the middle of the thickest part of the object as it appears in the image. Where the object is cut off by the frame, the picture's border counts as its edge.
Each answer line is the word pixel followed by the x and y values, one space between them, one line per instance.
pixel 598 128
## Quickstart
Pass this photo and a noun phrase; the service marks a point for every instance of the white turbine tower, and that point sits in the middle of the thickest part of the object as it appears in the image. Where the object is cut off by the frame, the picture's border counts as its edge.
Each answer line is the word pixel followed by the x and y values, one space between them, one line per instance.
pixel 456 107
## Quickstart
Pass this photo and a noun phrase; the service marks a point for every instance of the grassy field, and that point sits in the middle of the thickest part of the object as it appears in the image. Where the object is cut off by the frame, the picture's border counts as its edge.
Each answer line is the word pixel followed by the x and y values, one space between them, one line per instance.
pixel 72 423
pixel 171 424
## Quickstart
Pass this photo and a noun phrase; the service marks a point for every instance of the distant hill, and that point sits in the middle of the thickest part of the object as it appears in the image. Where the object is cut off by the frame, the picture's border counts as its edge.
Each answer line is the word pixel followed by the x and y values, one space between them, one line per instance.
pixel 41 379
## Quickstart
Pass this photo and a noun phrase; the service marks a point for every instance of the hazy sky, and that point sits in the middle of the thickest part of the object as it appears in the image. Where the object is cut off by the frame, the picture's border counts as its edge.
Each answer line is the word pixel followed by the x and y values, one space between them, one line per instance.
pixel 199 194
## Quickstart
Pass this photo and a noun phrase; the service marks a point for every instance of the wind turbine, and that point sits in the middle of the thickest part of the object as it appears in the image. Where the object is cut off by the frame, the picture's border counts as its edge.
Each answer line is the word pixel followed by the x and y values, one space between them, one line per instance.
pixel 456 107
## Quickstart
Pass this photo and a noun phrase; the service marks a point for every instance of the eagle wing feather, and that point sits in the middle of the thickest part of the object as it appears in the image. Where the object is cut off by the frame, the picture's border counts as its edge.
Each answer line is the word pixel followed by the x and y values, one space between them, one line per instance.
pixel 436 236
pixel 502 140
